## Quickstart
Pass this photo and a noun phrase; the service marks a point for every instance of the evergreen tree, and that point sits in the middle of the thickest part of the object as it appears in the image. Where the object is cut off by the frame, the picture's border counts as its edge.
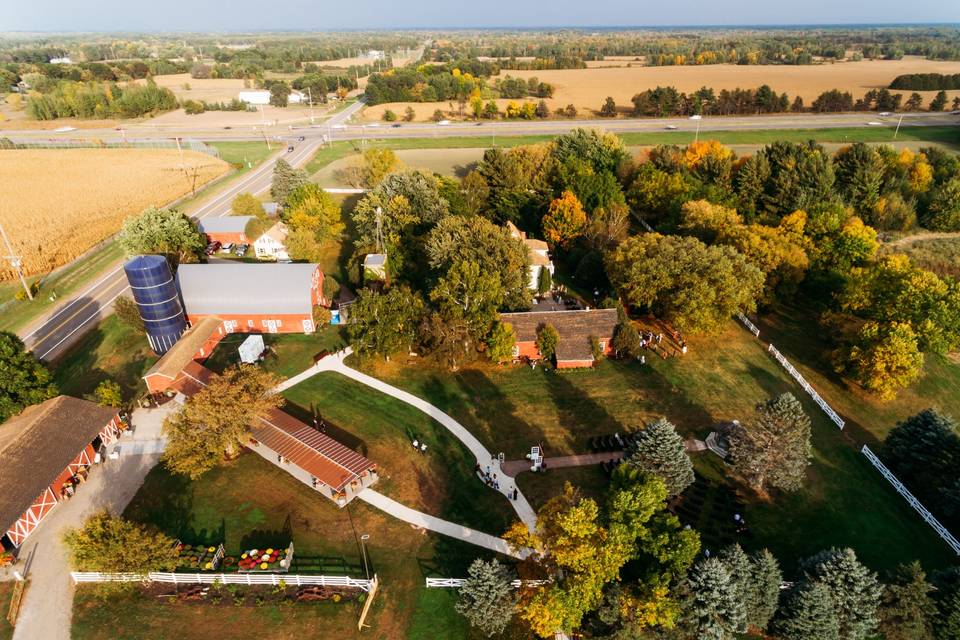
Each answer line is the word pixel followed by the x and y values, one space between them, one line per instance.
pixel 500 342
pixel 285 180
pixel 544 281
pixel 659 449
pixel 764 594
pixel 738 565
pixel 774 448
pixel 907 610
pixel 626 338
pixel 859 175
pixel 947 623
pixel 854 589
pixel 808 614
pixel 487 599
pixel 547 341
pixel 712 611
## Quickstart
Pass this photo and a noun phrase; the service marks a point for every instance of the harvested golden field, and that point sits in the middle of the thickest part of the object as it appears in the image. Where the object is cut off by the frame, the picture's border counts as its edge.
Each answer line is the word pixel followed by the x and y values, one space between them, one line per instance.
pixel 586 89
pixel 59 203
pixel 209 90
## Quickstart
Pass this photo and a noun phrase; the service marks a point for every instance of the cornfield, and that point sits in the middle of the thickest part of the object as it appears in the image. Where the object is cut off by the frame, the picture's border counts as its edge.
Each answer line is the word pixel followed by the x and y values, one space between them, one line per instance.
pixel 57 203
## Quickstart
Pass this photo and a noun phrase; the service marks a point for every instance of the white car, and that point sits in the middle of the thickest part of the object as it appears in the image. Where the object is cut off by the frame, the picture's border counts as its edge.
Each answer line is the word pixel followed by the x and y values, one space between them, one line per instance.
pixel 885 114
pixel 443 123
pixel 226 247
pixel 671 127
pixel 696 116
pixel 874 123
pixel 64 129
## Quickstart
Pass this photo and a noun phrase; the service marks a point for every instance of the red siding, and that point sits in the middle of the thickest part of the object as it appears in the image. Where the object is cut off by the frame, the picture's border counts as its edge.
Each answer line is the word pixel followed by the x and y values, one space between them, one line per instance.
pixel 225 236
pixel 288 323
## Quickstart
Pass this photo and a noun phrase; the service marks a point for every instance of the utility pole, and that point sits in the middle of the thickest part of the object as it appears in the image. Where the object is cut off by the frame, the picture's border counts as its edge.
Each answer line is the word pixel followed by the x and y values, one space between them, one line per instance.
pixel 16 263
pixel 897 130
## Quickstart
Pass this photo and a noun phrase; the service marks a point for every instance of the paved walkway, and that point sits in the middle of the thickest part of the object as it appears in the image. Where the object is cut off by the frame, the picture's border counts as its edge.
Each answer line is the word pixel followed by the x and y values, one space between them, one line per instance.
pixel 334 362
pixel 48 603
pixel 447 528
pixel 514 467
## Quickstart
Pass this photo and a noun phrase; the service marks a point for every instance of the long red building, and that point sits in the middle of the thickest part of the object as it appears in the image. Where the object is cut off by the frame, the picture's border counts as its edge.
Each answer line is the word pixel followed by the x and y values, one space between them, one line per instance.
pixel 44 453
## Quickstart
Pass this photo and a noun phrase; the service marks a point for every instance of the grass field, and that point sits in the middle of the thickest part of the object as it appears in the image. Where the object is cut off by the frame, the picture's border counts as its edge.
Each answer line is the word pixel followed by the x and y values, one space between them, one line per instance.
pixel 96 190
pixel 111 350
pixel 250 500
pixel 6 592
pixel 845 502
pixel 586 89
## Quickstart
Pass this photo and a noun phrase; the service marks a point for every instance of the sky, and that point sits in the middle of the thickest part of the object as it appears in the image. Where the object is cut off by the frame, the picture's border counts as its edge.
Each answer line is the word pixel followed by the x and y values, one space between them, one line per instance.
pixel 234 15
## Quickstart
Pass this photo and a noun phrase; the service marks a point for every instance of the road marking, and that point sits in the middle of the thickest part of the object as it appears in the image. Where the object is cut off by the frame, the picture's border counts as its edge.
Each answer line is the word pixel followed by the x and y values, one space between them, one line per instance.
pixel 66 306
pixel 92 300
pixel 79 326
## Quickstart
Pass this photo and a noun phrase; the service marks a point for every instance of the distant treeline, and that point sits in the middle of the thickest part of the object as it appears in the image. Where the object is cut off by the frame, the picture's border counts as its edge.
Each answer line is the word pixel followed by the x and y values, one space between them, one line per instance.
pixel 926 81
pixel 436 83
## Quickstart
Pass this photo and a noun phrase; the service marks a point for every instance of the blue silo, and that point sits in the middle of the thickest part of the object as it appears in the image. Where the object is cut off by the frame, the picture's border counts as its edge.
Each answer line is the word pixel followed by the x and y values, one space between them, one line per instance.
pixel 157 298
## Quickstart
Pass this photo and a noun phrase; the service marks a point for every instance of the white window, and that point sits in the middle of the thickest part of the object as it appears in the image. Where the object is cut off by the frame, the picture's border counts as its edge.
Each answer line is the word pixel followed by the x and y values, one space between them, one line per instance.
pixel 250 324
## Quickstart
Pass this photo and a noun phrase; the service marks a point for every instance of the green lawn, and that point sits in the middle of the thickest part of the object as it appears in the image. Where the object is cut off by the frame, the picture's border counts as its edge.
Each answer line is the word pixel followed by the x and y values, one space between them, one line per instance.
pixel 943 135
pixel 291 352
pixel 110 350
pixel 248 501
pixel 246 153
pixel 845 502
pixel 6 592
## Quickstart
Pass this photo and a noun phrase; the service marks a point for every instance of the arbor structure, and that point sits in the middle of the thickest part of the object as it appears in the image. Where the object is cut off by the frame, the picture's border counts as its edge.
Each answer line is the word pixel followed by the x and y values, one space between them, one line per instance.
pixel 24 380
pixel 773 449
pixel 487 598
pixel 164 231
pixel 659 449
pixel 213 423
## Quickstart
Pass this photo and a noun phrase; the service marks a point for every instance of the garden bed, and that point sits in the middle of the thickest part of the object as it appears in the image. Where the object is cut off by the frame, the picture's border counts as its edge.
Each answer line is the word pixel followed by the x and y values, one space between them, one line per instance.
pixel 199 557
pixel 249 596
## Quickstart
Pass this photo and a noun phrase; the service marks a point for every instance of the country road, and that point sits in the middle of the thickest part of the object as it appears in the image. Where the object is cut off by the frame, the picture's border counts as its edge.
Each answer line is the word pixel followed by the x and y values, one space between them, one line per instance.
pixel 53 334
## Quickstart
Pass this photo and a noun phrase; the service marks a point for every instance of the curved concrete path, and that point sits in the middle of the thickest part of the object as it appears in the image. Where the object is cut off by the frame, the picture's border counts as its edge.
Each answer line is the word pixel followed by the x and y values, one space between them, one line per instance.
pixel 426 521
pixel 335 363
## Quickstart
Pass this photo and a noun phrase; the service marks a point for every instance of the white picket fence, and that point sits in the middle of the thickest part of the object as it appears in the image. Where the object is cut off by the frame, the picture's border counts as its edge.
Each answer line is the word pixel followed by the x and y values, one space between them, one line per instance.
pixel 456 583
pixel 806 386
pixel 752 328
pixel 289 579
pixel 916 504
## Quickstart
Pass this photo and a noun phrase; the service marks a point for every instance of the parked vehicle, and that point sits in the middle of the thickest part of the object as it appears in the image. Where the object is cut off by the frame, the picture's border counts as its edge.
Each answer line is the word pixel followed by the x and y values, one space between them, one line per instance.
pixel 227 247
pixel 240 250
pixel 212 248
pixel 289 148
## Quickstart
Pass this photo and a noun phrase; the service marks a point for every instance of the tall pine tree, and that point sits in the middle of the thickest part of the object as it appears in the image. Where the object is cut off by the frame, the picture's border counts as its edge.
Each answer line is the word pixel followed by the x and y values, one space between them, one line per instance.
pixel 659 449
pixel 907 610
pixel 285 180
pixel 774 448
pixel 854 589
pixel 808 614
pixel 765 590
pixel 487 599
pixel 712 611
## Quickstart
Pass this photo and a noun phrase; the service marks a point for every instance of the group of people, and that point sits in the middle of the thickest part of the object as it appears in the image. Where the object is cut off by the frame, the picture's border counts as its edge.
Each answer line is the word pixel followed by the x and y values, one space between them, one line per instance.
pixel 651 340
pixel 491 480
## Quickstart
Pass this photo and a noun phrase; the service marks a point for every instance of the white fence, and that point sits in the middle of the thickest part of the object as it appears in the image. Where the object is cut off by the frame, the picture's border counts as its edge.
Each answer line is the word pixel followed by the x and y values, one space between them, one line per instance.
pixel 916 504
pixel 749 325
pixel 188 144
pixel 456 583
pixel 806 386
pixel 289 579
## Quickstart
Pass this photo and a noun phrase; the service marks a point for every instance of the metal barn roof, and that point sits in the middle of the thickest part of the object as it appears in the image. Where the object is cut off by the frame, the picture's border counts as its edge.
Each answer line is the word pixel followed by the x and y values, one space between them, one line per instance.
pixel 246 288
pixel 225 224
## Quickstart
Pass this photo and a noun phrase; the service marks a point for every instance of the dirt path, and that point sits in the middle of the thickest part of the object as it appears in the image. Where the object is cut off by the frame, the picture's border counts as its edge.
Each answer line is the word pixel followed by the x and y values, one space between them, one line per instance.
pixel 923 236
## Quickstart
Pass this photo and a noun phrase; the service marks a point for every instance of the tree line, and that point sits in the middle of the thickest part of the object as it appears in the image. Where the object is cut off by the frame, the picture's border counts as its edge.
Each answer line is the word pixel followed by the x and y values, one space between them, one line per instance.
pixel 434 84
pixel 100 100
pixel 926 81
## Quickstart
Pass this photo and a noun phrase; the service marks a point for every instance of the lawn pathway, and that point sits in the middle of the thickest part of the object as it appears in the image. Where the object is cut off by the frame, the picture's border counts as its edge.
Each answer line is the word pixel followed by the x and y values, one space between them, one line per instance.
pixel 426 521
pixel 335 363
pixel 514 467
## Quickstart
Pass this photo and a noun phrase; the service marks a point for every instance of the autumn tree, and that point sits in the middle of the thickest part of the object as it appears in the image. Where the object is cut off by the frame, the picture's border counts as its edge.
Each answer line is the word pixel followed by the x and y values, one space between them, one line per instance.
pixel 213 423
pixel 773 449
pixel 24 380
pixel 547 340
pixel 384 323
pixel 609 108
pixel 108 394
pixel 310 208
pixel 883 358
pixel 659 449
pixel 565 220
pixel 457 239
pixel 112 544
pixel 487 598
pixel 378 164
pixel 500 342
pixel 163 231
pixel 471 294
pixel 246 204
pixel 680 279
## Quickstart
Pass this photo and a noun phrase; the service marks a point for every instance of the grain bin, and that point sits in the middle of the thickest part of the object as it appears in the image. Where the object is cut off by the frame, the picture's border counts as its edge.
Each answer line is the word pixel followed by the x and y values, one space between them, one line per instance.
pixel 157 299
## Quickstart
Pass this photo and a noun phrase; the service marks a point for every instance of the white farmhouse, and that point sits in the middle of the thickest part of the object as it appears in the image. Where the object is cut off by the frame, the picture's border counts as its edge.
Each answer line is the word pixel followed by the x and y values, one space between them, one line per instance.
pixel 539 255
pixel 262 97
pixel 271 243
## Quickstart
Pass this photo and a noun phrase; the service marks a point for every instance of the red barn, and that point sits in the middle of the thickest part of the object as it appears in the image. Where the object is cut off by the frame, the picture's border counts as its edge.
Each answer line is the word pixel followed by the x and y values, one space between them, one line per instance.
pixel 195 345
pixel 224 229
pixel 575 329
pixel 44 453
pixel 253 298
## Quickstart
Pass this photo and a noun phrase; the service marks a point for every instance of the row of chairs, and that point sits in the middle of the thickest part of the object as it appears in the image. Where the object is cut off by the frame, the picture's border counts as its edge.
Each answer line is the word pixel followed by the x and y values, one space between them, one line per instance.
pixel 613 442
